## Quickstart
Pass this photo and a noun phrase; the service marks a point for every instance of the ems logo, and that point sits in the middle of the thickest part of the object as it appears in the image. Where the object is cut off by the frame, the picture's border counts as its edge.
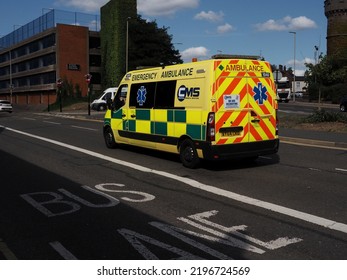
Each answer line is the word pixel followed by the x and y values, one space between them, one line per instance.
pixel 188 93
pixel 141 95
pixel 260 93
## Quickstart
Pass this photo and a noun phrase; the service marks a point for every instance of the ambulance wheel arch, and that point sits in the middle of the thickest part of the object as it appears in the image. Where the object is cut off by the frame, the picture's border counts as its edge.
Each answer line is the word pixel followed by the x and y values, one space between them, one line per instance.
pixel 109 138
pixel 188 153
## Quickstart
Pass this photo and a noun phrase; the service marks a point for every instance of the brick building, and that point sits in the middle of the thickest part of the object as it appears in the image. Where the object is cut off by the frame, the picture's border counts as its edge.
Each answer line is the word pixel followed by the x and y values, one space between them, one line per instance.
pixel 336 13
pixel 36 55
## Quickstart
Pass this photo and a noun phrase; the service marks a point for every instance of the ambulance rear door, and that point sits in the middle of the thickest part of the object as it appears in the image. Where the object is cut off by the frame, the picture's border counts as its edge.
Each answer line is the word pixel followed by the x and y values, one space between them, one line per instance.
pixel 262 102
pixel 244 103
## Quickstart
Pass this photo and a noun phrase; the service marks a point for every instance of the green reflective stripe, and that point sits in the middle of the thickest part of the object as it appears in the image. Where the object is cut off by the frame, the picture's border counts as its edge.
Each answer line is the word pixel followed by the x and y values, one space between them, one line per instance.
pixel 194 131
pixel 117 114
pixel 170 115
pixel 159 128
pixel 142 114
pixel 107 121
pixel 179 116
pixel 132 125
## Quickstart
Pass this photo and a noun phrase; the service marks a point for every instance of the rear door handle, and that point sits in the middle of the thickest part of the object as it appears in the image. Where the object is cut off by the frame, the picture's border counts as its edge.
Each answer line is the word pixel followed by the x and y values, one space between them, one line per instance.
pixel 133 116
pixel 255 120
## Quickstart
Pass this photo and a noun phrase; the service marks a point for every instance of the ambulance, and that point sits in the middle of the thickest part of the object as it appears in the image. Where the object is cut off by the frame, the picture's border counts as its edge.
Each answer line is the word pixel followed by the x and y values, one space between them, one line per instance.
pixel 216 109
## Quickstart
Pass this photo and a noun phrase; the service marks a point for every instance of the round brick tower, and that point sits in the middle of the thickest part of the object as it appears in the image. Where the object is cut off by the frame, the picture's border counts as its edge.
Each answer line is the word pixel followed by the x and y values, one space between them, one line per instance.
pixel 336 13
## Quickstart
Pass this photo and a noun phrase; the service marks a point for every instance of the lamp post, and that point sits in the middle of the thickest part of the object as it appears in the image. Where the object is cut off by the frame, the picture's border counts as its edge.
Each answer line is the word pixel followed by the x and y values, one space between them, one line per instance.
pixel 88 79
pixel 59 86
pixel 294 85
pixel 127 47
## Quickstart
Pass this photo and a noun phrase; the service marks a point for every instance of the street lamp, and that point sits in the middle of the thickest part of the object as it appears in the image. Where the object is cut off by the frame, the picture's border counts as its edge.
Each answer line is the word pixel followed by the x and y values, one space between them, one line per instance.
pixel 127 47
pixel 294 85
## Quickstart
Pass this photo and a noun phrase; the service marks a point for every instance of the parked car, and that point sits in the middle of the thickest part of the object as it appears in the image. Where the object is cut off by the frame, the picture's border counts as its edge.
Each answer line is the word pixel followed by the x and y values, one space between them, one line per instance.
pixel 5 106
pixel 343 104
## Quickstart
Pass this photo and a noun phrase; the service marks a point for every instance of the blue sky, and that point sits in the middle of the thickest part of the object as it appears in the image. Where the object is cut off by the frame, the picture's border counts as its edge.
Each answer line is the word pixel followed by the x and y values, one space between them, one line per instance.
pixel 201 28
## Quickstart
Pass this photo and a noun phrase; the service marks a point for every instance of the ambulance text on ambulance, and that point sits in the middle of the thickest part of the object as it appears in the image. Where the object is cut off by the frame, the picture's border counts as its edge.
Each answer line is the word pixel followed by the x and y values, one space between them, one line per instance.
pixel 246 68
pixel 177 73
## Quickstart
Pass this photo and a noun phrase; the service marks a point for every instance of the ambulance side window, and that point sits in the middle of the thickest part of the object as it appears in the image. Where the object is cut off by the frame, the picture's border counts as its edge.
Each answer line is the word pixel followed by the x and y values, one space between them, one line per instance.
pixel 142 95
pixel 165 94
pixel 120 98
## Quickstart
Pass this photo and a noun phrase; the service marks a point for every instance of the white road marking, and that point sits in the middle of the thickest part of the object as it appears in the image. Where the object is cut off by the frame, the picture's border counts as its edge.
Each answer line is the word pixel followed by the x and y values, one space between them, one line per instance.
pixel 66 254
pixel 314 169
pixel 8 254
pixel 52 122
pixel 271 245
pixel 341 169
pixel 86 128
pixel 330 224
pixel 30 119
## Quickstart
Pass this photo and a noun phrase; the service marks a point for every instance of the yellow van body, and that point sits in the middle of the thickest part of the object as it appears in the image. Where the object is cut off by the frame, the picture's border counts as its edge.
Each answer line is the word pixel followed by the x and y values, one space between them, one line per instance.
pixel 213 109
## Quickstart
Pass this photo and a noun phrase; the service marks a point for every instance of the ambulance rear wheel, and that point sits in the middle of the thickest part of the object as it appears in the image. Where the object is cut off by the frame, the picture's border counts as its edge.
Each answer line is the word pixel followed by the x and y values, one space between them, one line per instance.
pixel 109 138
pixel 188 154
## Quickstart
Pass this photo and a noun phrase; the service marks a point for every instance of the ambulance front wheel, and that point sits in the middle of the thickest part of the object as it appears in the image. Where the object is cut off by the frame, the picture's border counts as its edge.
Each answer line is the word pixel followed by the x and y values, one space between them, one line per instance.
pixel 109 138
pixel 188 154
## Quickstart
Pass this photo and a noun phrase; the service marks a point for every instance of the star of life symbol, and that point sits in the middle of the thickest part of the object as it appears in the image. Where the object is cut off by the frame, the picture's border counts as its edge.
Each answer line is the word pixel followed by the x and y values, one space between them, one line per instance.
pixel 260 93
pixel 141 95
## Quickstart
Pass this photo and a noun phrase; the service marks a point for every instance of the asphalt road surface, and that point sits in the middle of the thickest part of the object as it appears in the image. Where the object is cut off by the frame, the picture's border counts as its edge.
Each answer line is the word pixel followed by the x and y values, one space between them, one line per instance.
pixel 64 195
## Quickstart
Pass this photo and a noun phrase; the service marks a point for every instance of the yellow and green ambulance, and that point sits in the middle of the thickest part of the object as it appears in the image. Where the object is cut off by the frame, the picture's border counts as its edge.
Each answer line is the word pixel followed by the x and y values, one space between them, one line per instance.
pixel 222 108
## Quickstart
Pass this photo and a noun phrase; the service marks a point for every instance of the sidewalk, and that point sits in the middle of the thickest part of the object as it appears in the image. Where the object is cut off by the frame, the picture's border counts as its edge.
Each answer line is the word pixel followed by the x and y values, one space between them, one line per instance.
pixel 314 138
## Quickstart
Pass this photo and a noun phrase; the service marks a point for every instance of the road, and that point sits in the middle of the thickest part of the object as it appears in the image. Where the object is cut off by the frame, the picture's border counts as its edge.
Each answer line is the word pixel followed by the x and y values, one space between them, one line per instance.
pixel 64 195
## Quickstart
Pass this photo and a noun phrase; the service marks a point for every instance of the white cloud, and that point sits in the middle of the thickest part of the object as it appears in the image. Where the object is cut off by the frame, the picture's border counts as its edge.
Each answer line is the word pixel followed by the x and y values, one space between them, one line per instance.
pixel 164 7
pixel 210 16
pixel 198 52
pixel 300 66
pixel 224 28
pixel 302 23
pixel 287 23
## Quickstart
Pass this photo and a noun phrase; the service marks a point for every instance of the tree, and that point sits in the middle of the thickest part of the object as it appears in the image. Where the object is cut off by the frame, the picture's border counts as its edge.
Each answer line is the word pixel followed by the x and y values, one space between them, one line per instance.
pixel 328 76
pixel 150 45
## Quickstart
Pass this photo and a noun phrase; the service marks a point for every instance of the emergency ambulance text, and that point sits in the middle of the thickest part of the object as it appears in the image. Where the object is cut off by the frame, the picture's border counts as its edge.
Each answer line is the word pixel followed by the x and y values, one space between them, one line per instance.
pixel 146 76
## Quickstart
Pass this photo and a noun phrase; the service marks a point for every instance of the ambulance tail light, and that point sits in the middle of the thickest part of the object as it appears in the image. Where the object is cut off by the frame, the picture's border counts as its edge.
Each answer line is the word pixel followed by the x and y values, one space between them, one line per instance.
pixel 277 122
pixel 211 130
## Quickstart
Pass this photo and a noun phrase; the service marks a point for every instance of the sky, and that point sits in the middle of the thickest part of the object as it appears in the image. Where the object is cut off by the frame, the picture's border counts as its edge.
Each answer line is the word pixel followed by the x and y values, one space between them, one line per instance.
pixel 202 28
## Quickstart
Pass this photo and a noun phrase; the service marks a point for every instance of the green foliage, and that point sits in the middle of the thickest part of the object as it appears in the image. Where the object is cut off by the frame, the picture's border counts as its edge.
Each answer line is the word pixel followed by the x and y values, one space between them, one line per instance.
pixel 150 45
pixel 68 94
pixel 326 116
pixel 114 16
pixel 329 76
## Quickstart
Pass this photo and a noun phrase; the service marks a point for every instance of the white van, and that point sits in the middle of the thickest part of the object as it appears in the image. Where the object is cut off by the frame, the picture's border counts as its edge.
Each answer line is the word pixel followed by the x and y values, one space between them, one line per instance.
pixel 99 104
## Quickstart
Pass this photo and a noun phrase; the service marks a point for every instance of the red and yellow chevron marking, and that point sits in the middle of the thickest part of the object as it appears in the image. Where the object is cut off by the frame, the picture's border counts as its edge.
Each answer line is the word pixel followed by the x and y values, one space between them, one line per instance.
pixel 242 83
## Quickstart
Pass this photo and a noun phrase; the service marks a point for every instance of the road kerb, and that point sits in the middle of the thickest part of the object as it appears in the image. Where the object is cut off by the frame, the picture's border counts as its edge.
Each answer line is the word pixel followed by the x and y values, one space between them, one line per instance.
pixel 314 143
